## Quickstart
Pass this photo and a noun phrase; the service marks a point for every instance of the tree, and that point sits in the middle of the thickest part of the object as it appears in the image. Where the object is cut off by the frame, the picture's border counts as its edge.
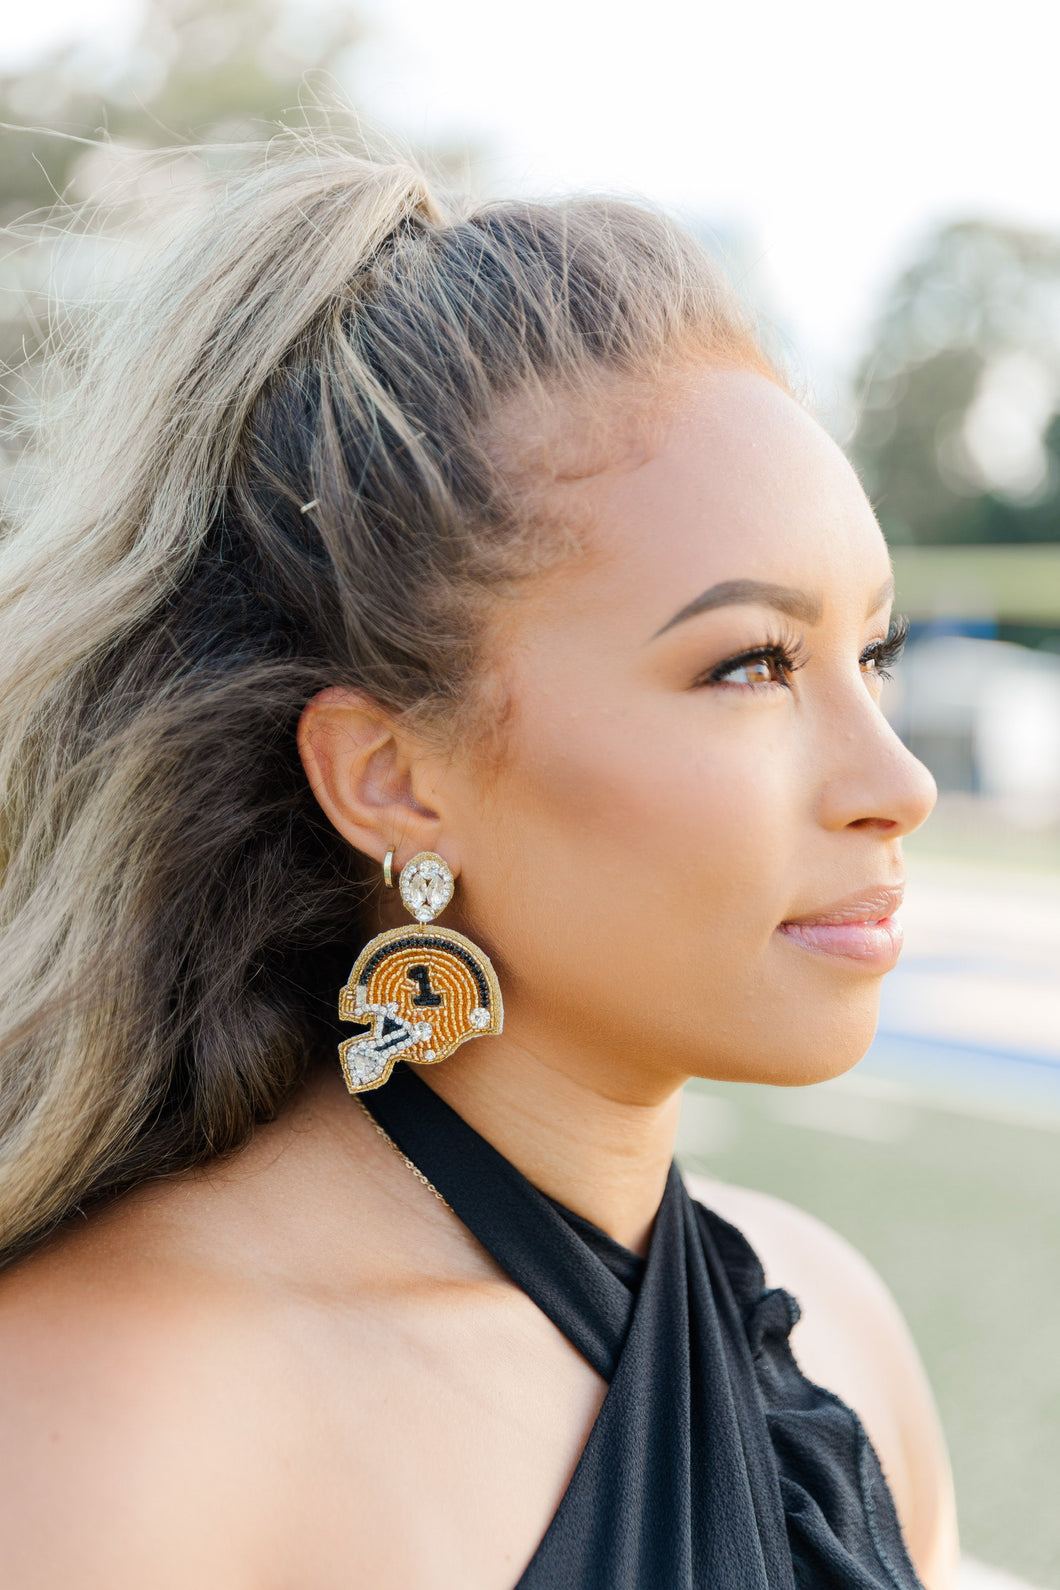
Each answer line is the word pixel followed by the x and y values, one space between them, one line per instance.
pixel 211 71
pixel 959 431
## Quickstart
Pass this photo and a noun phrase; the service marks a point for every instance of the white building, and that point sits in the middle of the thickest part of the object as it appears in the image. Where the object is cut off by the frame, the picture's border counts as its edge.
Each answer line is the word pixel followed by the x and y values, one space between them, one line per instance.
pixel 984 715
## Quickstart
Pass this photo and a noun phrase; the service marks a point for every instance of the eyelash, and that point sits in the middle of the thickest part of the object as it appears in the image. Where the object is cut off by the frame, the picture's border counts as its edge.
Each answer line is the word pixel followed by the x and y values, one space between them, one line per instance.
pixel 789 654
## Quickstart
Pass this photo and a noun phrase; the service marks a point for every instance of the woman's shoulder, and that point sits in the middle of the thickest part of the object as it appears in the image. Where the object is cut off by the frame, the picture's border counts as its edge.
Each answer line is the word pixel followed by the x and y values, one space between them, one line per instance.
pixel 223 1378
pixel 192 1266
pixel 851 1338
pixel 151 1353
pixel 130 1374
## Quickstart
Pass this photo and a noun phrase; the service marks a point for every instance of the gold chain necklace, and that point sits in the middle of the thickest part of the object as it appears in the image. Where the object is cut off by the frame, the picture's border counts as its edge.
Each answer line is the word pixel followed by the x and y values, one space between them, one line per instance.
pixel 415 1169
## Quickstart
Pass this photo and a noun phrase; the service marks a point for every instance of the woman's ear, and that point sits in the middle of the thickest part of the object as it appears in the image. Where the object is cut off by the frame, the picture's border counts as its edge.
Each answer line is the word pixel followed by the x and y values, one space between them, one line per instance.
pixel 361 766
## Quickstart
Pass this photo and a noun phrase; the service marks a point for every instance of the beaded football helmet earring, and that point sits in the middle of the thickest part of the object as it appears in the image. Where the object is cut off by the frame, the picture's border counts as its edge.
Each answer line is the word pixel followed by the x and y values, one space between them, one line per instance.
pixel 419 991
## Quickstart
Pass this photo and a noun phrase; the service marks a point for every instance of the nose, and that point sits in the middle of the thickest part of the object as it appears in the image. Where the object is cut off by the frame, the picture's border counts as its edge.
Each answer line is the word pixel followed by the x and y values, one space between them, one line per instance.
pixel 873 780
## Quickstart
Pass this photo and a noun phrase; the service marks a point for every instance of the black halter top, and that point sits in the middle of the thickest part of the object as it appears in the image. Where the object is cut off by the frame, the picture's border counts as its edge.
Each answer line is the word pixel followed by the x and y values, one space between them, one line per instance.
pixel 714 1464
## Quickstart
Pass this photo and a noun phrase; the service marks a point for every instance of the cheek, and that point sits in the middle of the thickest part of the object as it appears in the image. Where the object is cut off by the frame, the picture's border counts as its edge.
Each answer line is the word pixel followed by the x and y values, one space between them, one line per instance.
pixel 627 870
pixel 636 842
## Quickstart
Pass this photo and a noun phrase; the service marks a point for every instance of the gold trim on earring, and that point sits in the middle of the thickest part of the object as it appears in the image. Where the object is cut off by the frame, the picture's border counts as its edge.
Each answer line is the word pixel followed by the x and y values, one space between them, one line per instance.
pixel 388 869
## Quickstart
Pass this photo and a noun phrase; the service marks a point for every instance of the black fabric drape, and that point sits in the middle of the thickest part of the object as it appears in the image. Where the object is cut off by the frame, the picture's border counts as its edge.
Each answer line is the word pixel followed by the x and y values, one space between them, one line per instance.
pixel 714 1464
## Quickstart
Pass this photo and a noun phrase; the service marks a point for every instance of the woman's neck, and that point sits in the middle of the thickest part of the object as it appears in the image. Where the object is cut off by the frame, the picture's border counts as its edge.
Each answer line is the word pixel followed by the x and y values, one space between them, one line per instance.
pixel 605 1159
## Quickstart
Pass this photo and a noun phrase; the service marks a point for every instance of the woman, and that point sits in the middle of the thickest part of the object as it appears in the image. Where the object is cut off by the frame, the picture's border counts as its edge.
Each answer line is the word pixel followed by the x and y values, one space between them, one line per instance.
pixel 379 530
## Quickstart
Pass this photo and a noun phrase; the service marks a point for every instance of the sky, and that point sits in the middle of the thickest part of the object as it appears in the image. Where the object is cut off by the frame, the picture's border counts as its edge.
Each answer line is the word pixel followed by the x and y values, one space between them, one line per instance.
pixel 829 135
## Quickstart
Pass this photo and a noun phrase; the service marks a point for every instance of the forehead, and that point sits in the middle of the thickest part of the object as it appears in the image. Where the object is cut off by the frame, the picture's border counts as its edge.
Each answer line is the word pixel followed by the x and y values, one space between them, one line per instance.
pixel 734 481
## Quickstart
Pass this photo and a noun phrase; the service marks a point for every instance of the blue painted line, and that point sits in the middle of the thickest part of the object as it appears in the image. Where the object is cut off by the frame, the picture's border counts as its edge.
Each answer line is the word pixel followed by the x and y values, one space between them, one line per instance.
pixel 961 1076
pixel 973 1050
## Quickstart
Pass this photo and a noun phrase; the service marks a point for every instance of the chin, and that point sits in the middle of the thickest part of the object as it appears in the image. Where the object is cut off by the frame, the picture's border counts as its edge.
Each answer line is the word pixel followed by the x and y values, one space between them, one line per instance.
pixel 811 1048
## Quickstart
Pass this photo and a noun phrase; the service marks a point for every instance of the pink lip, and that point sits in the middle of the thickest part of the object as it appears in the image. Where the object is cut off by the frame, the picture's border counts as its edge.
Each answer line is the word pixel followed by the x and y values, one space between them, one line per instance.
pixel 860 928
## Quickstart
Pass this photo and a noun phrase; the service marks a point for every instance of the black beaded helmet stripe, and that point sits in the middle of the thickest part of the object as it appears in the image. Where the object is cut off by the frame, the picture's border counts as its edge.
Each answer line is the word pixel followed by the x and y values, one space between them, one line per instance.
pixel 426 941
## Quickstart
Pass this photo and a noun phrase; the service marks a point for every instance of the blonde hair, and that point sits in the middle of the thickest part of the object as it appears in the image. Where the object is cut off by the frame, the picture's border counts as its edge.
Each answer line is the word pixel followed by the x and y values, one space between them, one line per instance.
pixel 175 913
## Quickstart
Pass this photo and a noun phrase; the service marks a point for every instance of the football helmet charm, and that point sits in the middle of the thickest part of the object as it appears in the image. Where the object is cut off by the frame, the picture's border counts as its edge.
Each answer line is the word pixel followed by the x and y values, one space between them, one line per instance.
pixel 419 991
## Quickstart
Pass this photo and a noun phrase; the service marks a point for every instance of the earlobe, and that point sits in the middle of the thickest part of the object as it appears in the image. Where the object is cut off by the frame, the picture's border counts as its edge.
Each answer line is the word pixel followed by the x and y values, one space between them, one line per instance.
pixel 360 766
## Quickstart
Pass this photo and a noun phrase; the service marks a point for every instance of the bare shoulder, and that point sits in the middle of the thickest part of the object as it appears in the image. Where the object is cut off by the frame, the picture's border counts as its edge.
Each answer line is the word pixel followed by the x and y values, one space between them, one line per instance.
pixel 123 1383
pixel 226 1379
pixel 169 1347
pixel 853 1340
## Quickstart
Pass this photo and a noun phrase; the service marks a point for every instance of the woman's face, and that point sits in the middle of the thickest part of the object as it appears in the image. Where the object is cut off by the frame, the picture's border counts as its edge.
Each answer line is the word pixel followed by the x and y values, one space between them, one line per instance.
pixel 695 762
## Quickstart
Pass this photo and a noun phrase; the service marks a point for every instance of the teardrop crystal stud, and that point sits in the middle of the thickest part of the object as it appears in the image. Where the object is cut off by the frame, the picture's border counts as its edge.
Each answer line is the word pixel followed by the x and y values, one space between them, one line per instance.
pixel 426 885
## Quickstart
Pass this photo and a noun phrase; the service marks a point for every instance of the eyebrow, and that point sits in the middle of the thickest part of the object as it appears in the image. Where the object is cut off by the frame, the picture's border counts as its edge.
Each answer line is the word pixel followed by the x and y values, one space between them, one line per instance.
pixel 802 605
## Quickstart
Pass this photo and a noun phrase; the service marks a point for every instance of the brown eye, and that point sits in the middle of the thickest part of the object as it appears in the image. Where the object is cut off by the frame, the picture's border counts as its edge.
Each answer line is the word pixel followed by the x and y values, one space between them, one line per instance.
pixel 760 672
pixel 874 662
pixel 878 658
pixel 772 664
pixel 757 671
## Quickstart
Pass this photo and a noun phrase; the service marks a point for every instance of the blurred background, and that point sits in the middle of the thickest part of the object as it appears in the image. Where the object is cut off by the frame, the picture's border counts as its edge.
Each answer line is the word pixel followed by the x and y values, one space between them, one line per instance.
pixel 884 185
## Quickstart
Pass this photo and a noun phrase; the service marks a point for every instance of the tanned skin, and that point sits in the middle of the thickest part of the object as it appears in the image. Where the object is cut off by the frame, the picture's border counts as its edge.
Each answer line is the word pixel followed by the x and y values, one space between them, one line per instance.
pixel 296 1369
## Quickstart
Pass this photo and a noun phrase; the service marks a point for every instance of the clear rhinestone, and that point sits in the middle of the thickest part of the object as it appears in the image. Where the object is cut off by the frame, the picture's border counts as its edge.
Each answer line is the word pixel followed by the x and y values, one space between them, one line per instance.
pixel 438 894
pixel 366 1068
pixel 479 1018
pixel 426 886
